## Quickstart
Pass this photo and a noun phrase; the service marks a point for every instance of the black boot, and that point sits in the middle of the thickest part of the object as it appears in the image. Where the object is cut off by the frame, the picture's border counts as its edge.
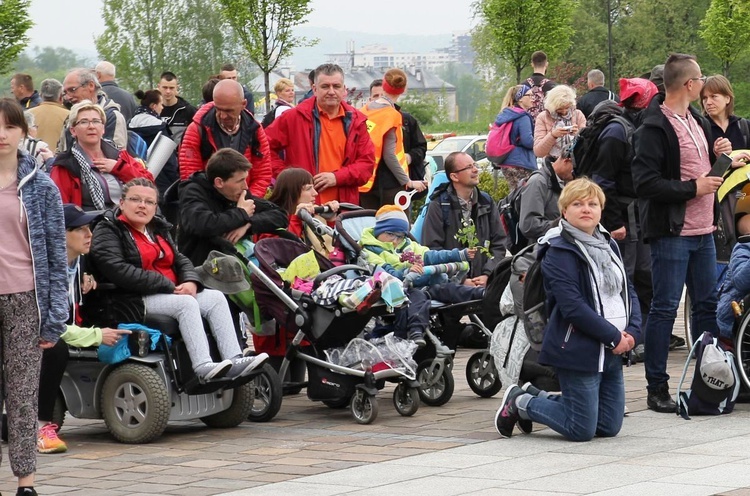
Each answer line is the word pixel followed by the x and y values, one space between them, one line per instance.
pixel 660 401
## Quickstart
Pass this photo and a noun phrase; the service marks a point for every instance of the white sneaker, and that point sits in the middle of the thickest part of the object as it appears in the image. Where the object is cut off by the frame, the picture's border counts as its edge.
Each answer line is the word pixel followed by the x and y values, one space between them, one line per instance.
pixel 243 365
pixel 211 370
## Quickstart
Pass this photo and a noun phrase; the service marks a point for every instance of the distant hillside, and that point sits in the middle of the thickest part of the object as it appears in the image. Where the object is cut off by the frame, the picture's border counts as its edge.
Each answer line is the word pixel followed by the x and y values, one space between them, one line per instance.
pixel 335 41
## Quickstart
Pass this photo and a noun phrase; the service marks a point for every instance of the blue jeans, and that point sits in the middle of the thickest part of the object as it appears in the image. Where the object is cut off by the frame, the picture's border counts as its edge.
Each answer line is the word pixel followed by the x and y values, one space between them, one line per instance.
pixel 592 403
pixel 675 262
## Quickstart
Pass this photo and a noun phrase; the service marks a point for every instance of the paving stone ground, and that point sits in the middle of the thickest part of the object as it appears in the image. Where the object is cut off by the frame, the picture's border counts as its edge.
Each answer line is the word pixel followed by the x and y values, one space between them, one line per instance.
pixel 450 450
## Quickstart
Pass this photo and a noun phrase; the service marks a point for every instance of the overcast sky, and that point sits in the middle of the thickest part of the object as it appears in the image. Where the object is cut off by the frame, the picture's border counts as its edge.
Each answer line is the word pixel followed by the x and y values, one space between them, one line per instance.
pixel 74 23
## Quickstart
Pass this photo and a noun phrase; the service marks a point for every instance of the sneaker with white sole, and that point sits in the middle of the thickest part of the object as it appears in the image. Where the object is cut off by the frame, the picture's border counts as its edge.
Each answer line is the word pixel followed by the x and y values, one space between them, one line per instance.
pixel 507 415
pixel 211 370
pixel 243 365
pixel 47 440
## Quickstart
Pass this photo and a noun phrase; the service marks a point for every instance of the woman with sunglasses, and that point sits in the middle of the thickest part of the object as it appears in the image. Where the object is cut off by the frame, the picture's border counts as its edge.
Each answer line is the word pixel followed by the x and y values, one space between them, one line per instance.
pixel 133 250
pixel 91 173
pixel 521 162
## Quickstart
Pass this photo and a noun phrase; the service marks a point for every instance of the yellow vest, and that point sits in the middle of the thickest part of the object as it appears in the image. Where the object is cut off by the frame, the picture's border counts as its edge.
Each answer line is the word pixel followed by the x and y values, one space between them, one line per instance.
pixel 379 122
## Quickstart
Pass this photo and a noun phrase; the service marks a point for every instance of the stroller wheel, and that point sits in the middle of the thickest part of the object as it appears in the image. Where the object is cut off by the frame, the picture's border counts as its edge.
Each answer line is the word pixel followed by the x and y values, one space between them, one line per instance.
pixel 436 382
pixel 268 393
pixel 482 375
pixel 406 400
pixel 364 407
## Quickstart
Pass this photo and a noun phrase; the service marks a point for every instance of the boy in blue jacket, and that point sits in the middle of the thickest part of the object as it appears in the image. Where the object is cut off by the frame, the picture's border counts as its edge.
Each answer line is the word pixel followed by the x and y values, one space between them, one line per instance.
pixel 736 285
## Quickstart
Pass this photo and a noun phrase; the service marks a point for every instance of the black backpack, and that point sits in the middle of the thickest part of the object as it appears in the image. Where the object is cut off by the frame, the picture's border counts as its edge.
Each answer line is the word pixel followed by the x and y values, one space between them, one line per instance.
pixel 510 218
pixel 534 303
pixel 496 284
pixel 586 145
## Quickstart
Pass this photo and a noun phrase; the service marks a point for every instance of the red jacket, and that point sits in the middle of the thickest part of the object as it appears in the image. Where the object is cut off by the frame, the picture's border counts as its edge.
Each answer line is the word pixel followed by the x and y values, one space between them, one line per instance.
pixel 66 172
pixel 194 153
pixel 296 133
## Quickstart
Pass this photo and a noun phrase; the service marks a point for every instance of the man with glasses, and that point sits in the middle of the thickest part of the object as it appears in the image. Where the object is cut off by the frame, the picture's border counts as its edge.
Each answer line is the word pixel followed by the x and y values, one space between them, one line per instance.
pixel 673 156
pixel 226 123
pixel 81 84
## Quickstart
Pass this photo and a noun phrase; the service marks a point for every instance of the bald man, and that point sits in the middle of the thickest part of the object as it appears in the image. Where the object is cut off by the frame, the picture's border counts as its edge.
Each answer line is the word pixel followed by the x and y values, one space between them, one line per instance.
pixel 226 123
pixel 105 73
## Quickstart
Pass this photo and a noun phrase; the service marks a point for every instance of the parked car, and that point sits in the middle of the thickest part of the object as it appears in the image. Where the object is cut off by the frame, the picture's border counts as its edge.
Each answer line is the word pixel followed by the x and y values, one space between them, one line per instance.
pixel 473 145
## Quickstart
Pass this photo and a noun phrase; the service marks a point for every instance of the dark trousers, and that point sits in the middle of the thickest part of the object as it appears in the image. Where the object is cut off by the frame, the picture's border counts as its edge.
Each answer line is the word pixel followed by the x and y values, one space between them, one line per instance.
pixel 54 362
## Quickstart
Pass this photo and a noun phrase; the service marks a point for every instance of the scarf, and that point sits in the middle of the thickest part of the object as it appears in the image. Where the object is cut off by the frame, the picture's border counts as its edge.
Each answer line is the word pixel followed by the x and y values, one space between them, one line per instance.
pixel 562 121
pixel 88 177
pixel 599 251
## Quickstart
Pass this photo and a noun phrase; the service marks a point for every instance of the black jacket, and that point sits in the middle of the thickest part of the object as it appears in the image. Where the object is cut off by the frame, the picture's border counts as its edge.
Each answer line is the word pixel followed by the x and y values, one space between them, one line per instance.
pixel 662 194
pixel 117 267
pixel 594 97
pixel 206 215
pixel 122 97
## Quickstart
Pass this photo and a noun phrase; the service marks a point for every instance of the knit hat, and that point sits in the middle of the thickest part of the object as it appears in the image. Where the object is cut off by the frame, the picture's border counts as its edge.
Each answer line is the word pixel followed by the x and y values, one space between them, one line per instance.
pixel 657 76
pixel 390 218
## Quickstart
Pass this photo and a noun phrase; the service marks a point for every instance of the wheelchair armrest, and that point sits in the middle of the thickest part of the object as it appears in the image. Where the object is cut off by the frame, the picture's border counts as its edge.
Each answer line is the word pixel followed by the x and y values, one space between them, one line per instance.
pixel 338 270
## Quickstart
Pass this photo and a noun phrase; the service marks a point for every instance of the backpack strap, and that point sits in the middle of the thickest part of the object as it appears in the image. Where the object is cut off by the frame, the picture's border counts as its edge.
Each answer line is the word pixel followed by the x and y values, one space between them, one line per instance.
pixel 681 396
pixel 745 130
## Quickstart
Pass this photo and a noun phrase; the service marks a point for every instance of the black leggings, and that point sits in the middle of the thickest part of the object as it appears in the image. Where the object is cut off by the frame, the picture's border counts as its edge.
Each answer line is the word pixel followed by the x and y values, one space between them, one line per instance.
pixel 54 361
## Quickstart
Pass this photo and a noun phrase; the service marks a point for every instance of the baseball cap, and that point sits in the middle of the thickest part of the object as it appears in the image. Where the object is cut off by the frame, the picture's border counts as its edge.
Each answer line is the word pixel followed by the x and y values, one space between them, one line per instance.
pixel 75 216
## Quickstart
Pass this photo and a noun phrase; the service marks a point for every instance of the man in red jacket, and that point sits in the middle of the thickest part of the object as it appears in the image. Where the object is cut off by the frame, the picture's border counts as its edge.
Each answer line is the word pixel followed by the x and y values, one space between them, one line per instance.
pixel 327 137
pixel 225 123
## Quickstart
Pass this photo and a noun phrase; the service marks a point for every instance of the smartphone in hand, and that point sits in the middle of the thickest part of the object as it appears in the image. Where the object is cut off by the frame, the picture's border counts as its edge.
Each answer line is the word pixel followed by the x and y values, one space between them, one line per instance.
pixel 722 164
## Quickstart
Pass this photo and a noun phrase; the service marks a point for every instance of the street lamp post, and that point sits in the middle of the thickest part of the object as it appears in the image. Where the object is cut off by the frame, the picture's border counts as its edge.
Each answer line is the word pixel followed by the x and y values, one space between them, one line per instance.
pixel 609 41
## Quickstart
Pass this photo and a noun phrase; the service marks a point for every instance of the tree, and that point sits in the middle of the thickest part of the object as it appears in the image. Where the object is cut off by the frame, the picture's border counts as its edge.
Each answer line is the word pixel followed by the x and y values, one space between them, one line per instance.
pixel 14 23
pixel 264 28
pixel 726 30
pixel 144 38
pixel 512 30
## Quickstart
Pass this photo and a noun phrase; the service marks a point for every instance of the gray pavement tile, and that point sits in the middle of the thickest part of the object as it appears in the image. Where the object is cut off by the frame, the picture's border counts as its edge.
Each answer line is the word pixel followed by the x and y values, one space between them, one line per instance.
pixel 544 464
pixel 625 446
pixel 674 459
pixel 733 475
pixel 506 491
pixel 294 488
pixel 430 486
pixel 518 445
pixel 592 479
pixel 448 459
pixel 660 489
pixel 734 446
pixel 365 475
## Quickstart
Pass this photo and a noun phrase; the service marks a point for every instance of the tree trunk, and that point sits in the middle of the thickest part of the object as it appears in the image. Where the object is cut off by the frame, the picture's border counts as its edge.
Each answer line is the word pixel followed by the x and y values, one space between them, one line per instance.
pixel 266 83
pixel 518 74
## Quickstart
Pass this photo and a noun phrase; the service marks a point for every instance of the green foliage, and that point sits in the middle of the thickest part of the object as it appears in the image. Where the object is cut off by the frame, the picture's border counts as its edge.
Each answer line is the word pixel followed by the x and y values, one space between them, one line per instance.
pixel 144 38
pixel 264 28
pixel 494 184
pixel 47 62
pixel 469 89
pixel 467 236
pixel 14 23
pixel 512 30
pixel 425 108
pixel 726 30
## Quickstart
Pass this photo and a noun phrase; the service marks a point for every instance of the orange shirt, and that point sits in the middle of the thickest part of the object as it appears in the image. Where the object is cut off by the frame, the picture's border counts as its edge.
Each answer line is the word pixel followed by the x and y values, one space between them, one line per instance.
pixel 331 150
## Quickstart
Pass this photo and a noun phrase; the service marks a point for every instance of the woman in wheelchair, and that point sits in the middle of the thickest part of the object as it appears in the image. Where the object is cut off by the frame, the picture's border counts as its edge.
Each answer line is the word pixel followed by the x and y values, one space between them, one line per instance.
pixel 294 191
pixel 133 250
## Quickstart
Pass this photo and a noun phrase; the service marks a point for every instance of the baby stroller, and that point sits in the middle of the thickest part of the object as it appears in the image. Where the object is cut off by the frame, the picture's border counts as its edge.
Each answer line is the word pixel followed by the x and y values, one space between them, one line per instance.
pixel 435 361
pixel 324 327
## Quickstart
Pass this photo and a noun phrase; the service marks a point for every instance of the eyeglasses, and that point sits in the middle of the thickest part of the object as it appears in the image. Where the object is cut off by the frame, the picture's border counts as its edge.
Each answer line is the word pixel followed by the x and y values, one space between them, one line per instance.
pixel 138 201
pixel 472 166
pixel 70 91
pixel 396 236
pixel 87 123
pixel 702 79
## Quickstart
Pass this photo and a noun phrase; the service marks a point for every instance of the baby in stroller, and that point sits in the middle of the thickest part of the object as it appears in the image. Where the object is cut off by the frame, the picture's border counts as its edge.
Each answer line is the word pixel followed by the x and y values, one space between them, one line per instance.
pixel 388 247
pixel 736 285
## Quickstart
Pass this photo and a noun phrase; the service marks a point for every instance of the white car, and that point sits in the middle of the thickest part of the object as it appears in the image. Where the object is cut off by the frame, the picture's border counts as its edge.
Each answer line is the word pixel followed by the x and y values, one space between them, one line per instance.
pixel 473 145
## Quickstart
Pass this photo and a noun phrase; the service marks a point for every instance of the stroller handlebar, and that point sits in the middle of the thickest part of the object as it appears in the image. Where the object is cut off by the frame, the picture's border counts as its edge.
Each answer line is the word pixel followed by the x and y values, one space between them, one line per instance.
pixel 338 270
pixel 318 227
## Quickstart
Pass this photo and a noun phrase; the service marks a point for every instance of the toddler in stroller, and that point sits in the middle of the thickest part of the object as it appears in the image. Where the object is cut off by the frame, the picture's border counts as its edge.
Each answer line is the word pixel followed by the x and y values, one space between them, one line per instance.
pixel 323 327
pixel 387 247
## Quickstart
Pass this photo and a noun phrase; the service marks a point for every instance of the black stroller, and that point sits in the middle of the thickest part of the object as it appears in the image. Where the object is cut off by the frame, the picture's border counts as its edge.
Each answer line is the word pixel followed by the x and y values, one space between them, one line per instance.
pixel 324 327
pixel 435 361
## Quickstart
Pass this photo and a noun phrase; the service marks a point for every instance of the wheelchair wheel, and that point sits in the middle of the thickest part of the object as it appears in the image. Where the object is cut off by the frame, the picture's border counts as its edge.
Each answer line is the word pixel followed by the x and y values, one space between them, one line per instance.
pixel 436 383
pixel 686 320
pixel 268 393
pixel 135 403
pixel 482 375
pixel 742 350
pixel 406 400
pixel 364 407
pixel 242 403
pixel 58 412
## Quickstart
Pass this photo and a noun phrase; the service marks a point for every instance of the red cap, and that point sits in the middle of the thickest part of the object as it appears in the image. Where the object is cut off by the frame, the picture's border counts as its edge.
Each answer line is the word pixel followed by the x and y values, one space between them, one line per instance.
pixel 639 91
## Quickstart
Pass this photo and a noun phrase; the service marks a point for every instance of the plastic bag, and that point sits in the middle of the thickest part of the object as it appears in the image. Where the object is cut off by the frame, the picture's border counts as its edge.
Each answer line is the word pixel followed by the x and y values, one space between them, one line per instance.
pixel 388 351
pixel 509 343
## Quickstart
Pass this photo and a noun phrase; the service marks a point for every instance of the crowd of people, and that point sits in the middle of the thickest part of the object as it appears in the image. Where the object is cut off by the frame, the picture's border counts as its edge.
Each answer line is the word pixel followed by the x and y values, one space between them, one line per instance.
pixel 623 241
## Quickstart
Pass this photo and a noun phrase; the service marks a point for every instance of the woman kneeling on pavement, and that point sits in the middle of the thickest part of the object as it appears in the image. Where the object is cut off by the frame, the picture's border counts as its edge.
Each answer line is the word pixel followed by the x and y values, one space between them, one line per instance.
pixel 132 249
pixel 580 263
